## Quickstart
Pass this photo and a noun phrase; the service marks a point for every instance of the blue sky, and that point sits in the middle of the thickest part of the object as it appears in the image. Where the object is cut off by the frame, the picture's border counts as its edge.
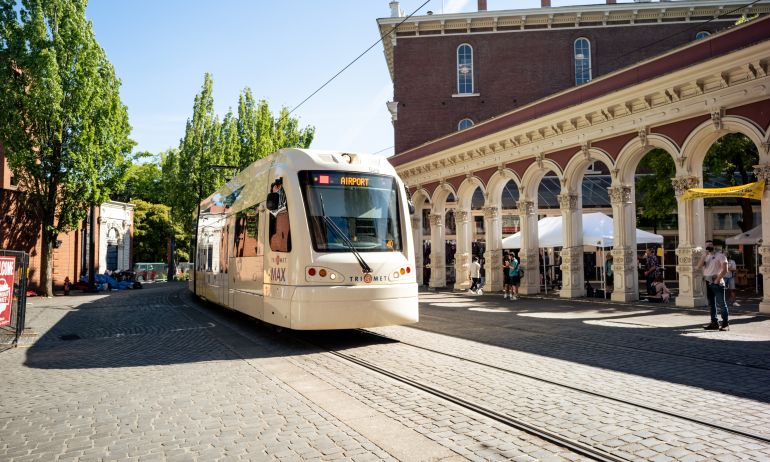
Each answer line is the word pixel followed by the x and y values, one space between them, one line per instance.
pixel 282 49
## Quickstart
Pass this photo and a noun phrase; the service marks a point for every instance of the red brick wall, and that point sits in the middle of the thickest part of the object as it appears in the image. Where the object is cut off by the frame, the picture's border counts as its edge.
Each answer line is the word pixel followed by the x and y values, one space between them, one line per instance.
pixel 510 70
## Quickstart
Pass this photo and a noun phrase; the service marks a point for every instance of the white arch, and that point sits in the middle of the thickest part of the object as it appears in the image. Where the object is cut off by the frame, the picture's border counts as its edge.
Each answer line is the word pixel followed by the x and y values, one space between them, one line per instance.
pixel 497 183
pixel 634 151
pixel 698 142
pixel 530 182
pixel 419 198
pixel 577 165
pixel 466 190
pixel 440 196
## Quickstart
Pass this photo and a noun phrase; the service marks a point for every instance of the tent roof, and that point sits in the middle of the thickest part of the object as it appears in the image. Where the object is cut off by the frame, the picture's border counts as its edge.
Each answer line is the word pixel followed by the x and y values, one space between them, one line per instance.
pixel 597 231
pixel 750 237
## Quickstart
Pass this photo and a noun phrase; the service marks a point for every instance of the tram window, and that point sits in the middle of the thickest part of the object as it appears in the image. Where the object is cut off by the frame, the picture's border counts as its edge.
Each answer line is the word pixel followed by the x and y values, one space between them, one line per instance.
pixel 280 232
pixel 246 235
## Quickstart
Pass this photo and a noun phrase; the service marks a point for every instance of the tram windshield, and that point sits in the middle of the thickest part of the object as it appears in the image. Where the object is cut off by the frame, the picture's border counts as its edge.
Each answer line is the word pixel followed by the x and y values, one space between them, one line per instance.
pixel 363 206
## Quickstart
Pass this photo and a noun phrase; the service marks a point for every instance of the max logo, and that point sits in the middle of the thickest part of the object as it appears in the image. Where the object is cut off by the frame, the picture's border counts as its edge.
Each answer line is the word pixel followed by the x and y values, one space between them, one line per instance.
pixel 278 274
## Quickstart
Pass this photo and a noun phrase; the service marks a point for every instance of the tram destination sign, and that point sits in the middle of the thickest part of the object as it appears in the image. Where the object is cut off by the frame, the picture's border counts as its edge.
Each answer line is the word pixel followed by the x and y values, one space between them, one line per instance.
pixel 350 180
pixel 7 265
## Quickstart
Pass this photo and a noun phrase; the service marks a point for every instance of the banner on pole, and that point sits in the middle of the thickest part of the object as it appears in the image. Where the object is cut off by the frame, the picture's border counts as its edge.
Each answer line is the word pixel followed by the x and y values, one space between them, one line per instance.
pixel 746 191
pixel 7 265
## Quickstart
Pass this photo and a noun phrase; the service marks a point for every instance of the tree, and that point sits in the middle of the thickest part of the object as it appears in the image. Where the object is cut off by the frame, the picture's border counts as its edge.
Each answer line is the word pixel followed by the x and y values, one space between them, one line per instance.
pixel 152 230
pixel 655 198
pixel 62 123
pixel 143 181
pixel 733 154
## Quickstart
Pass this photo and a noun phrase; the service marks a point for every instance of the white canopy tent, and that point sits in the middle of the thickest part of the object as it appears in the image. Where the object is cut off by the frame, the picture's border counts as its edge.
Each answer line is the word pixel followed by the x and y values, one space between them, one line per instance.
pixel 597 231
pixel 750 237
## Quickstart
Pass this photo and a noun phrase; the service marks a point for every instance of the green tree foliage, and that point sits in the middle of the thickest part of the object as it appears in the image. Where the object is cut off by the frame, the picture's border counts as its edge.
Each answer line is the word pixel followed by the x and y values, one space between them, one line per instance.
pixel 655 199
pixel 62 123
pixel 143 181
pixel 238 140
pixel 152 230
pixel 731 158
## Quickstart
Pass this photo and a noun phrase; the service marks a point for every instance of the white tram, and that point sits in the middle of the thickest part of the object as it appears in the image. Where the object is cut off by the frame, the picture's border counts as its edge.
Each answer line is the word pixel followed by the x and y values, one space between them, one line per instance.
pixel 309 239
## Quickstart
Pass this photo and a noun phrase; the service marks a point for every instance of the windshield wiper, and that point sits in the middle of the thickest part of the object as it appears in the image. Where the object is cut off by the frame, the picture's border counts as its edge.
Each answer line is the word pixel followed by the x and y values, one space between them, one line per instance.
pixel 345 239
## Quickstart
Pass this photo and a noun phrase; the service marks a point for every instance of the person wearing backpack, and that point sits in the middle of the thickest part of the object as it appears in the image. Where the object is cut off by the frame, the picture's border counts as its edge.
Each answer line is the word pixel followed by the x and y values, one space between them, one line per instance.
pixel 515 272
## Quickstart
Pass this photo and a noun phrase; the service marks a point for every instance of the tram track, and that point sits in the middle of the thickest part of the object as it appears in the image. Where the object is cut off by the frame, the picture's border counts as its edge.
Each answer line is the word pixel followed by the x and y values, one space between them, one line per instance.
pixel 656 409
pixel 570 444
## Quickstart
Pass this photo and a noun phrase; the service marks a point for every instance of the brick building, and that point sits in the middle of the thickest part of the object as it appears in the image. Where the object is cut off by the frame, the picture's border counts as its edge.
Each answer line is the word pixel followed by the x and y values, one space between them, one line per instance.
pixel 19 230
pixel 451 71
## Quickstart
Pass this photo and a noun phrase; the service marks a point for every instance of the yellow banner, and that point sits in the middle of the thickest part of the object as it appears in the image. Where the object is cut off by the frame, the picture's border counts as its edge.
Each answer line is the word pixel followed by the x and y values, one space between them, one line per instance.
pixel 747 191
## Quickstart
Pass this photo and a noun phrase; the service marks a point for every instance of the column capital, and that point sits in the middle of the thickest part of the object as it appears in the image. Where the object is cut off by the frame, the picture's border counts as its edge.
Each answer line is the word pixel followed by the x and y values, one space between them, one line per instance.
pixel 526 207
pixel 461 216
pixel 491 212
pixel 619 194
pixel 683 183
pixel 568 201
pixel 762 172
pixel 436 219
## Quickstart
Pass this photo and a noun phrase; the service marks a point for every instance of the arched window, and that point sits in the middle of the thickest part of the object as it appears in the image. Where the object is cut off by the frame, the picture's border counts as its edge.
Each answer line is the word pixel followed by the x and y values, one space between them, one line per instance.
pixel 702 34
pixel 465 123
pixel 464 69
pixel 582 61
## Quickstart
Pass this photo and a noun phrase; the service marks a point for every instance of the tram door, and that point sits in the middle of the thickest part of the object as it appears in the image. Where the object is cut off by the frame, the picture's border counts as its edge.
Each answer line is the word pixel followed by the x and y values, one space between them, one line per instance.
pixel 246 262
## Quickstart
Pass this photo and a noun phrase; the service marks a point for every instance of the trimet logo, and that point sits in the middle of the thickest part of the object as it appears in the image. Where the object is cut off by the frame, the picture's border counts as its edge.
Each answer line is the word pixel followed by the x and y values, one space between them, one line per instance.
pixel 368 278
pixel 278 260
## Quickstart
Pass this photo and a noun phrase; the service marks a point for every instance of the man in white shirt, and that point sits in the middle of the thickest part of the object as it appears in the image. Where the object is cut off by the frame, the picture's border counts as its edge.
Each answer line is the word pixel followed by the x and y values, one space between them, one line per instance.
pixel 714 264
pixel 475 276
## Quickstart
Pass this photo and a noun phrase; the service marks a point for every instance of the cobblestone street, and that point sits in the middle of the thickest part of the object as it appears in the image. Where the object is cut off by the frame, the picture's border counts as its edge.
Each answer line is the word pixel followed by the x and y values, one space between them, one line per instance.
pixel 154 374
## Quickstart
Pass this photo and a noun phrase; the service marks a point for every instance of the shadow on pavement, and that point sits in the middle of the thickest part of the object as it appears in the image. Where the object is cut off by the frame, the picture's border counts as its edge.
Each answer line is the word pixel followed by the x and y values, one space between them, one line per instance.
pixel 667 344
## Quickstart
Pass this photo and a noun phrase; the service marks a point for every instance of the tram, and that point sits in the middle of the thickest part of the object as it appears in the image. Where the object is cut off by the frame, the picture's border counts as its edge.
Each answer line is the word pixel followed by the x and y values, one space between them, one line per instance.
pixel 310 240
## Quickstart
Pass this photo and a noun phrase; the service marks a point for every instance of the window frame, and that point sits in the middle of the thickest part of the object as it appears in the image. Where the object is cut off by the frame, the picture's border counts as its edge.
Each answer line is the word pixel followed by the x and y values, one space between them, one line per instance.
pixel 460 128
pixel 458 74
pixel 583 60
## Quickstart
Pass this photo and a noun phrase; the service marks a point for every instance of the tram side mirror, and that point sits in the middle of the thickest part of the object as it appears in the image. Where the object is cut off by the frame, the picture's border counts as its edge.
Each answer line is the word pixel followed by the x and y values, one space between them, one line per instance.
pixel 272 201
pixel 409 202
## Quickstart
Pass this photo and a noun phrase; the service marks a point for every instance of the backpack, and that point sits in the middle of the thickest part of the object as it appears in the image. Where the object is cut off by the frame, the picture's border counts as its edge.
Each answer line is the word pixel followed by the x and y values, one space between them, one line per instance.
pixel 514 270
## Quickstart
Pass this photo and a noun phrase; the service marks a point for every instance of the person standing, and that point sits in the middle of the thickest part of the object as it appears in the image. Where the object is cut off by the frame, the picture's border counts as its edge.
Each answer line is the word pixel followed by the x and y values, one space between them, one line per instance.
pixel 475 276
pixel 515 277
pixel 506 276
pixel 651 270
pixel 714 265
pixel 732 267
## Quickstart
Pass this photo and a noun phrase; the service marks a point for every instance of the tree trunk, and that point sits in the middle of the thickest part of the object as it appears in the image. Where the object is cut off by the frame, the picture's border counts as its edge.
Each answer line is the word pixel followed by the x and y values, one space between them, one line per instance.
pixel 46 265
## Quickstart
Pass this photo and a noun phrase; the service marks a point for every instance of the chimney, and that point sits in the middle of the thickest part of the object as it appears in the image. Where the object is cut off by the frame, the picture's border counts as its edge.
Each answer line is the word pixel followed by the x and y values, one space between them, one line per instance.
pixel 482 5
pixel 395 9
pixel 612 2
pixel 545 3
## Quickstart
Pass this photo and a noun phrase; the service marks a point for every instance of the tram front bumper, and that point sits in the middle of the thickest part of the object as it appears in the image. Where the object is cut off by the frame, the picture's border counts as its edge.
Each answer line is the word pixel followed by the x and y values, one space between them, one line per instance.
pixel 349 307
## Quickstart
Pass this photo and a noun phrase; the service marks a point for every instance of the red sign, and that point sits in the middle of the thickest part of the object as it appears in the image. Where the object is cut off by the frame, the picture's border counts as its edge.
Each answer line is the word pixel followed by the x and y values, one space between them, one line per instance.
pixel 6 289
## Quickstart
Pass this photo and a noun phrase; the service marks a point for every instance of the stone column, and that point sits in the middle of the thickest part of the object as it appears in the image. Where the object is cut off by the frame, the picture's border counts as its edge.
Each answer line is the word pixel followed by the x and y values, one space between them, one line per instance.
pixel 417 238
pixel 624 261
pixel 529 253
pixel 463 250
pixel 573 281
pixel 493 256
pixel 763 173
pixel 437 251
pixel 692 290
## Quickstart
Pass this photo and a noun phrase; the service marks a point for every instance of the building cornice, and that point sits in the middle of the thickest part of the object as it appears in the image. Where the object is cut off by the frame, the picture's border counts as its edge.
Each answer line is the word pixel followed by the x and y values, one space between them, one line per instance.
pixel 560 18
pixel 732 79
